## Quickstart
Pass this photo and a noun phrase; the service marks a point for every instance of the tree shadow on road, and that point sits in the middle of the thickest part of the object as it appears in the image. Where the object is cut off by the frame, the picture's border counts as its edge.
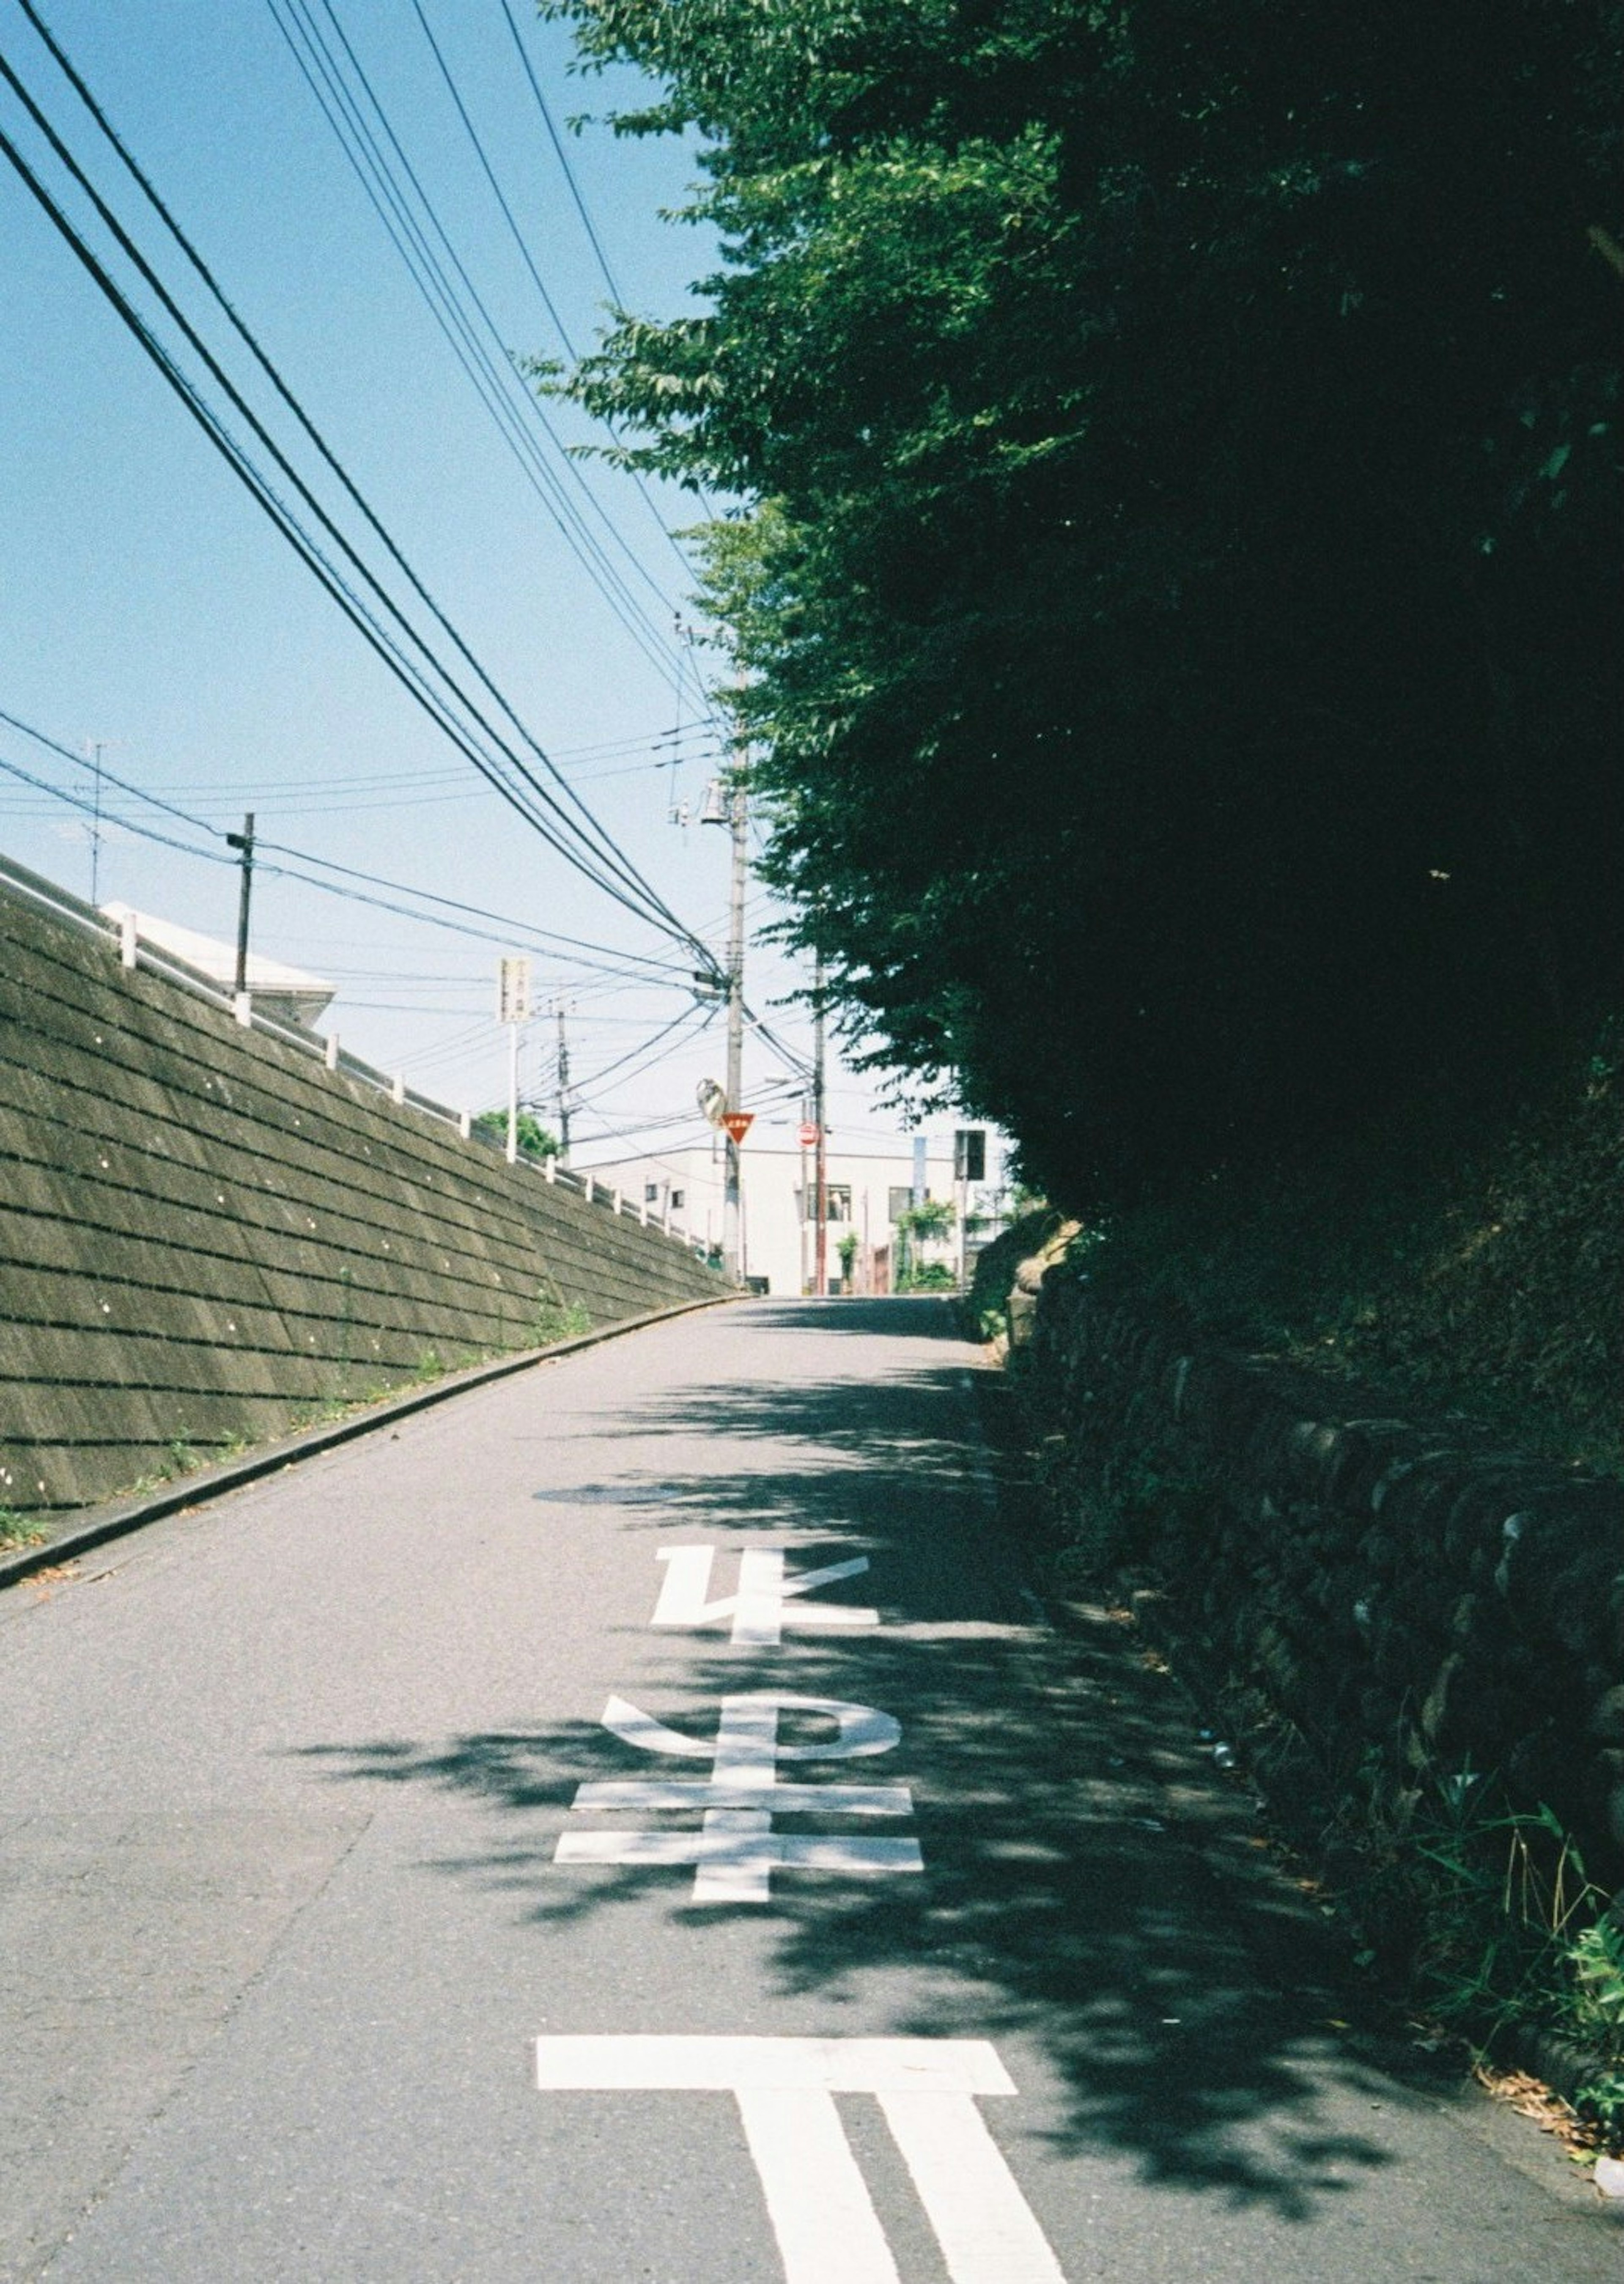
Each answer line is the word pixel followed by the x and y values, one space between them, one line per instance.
pixel 1093 1887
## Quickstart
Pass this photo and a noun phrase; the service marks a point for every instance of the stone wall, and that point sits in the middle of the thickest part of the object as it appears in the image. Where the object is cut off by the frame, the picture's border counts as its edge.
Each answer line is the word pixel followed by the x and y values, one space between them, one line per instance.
pixel 206 1236
pixel 1401 1597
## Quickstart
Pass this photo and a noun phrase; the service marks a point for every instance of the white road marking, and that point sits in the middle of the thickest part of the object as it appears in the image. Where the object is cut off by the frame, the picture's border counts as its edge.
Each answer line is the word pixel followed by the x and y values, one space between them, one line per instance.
pixel 735 1851
pixel 652 2063
pixel 769 1598
pixel 821 2212
pixel 983 2223
pixel 817 2198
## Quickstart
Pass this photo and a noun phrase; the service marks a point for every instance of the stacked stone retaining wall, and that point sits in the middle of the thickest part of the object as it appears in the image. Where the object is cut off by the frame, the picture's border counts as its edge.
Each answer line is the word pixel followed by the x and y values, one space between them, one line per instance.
pixel 1404 1598
pixel 206 1236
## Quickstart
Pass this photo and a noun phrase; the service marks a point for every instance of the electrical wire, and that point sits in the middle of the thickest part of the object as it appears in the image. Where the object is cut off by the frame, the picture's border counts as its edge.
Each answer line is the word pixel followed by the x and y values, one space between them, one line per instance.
pixel 617 297
pixel 481 153
pixel 145 832
pixel 496 381
pixel 602 851
pixel 107 775
pixel 578 1091
pixel 637 967
pixel 660 970
pixel 562 157
pixel 253 478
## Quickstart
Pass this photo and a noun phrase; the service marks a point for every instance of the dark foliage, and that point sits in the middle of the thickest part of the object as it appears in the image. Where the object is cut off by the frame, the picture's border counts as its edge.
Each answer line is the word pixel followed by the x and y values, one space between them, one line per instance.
pixel 1179 596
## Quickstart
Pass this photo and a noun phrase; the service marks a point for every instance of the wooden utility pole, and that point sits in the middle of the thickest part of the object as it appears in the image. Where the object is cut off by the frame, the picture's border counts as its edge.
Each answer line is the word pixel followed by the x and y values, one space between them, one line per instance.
pixel 244 841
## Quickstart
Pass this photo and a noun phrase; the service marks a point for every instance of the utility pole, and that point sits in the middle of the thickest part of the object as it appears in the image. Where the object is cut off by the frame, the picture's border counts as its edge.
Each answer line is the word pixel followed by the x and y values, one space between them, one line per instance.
pixel 806 1193
pixel 96 746
pixel 733 1259
pixel 243 840
pixel 563 1090
pixel 820 1183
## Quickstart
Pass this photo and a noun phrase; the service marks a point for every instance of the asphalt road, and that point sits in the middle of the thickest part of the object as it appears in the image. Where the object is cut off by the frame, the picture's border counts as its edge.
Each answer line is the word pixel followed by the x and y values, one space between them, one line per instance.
pixel 484 1852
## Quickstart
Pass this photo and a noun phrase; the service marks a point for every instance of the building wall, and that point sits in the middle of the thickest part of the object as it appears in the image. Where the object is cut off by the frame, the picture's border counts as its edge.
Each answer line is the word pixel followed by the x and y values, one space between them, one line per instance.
pixel 871 1181
pixel 207 1237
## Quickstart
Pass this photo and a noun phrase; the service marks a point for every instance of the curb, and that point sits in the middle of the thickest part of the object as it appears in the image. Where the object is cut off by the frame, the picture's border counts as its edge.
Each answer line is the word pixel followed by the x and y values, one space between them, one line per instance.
pixel 130 1513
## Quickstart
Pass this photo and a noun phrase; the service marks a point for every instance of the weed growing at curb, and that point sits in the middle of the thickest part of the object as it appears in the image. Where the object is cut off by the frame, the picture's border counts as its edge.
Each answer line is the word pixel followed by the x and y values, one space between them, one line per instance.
pixel 558 1319
pixel 19 1529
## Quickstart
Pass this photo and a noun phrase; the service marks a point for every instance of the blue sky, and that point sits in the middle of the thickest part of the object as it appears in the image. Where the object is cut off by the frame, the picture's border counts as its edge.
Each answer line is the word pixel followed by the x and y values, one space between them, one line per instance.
pixel 150 605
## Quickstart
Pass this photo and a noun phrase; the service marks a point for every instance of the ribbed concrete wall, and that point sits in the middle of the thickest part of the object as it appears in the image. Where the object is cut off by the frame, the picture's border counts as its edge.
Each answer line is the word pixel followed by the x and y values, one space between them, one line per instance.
pixel 206 1237
pixel 1391 1609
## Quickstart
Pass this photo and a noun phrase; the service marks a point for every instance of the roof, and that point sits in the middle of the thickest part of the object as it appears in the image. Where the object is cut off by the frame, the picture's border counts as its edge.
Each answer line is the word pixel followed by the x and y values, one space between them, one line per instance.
pixel 267 979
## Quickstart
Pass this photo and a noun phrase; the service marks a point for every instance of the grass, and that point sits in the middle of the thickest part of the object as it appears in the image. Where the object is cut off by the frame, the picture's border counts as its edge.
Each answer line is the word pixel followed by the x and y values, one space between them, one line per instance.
pixel 1484 1916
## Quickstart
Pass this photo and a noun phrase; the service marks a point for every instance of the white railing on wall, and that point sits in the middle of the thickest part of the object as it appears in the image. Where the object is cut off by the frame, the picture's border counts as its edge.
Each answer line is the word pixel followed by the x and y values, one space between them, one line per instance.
pixel 123 937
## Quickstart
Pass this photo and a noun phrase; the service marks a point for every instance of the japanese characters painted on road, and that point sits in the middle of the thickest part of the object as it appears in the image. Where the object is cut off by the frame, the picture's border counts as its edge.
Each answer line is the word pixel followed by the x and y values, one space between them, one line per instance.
pixel 736 1850
pixel 768 1599
pixel 818 2201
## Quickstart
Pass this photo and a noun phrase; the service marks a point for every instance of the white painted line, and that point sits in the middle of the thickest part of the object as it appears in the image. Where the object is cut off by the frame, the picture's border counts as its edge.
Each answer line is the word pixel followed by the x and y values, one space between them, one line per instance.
pixel 651 2064
pixel 983 2223
pixel 769 1598
pixel 695 1793
pixel 822 2215
pixel 746 1744
pixel 818 2201
pixel 735 1851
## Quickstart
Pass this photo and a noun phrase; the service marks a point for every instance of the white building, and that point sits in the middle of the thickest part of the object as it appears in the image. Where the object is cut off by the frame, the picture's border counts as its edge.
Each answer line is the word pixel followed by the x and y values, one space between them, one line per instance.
pixel 870 1184
pixel 287 995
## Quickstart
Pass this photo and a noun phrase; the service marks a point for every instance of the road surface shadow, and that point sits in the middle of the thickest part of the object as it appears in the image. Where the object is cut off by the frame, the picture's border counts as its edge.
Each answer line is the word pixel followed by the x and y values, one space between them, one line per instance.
pixel 1092 1883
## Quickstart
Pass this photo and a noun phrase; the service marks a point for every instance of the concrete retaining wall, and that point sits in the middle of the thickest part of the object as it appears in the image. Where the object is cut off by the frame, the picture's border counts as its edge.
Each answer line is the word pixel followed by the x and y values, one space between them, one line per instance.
pixel 1411 1601
pixel 206 1236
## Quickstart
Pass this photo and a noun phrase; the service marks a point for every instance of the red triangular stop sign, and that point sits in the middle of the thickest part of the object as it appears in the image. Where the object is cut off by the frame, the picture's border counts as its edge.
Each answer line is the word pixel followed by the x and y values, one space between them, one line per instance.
pixel 739 1124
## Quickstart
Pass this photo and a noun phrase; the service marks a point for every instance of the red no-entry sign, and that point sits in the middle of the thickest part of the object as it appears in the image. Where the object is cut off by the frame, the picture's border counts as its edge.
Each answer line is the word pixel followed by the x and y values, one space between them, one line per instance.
pixel 809 1137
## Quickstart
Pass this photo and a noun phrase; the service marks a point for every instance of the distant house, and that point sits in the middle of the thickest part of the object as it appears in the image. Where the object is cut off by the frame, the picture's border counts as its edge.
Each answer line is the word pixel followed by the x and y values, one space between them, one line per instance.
pixel 869 1184
pixel 286 995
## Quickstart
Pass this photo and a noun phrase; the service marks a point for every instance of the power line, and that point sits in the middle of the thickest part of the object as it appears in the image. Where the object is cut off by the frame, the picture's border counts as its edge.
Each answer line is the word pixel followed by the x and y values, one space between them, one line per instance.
pixel 496 381
pixel 80 763
pixel 481 153
pixel 697 1018
pixel 206 275
pixel 563 160
pixel 597 245
pixel 145 832
pixel 631 966
pixel 600 851
pixel 660 970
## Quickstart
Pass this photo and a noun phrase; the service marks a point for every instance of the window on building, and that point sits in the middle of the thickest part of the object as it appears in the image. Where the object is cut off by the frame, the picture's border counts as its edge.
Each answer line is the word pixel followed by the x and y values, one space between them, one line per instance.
pixel 897 1203
pixel 651 1193
pixel 839 1196
pixel 679 1200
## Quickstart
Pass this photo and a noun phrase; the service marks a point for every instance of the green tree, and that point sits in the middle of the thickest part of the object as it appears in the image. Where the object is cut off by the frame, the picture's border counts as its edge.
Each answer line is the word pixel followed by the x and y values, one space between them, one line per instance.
pixel 534 1140
pixel 931 1218
pixel 1180 444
